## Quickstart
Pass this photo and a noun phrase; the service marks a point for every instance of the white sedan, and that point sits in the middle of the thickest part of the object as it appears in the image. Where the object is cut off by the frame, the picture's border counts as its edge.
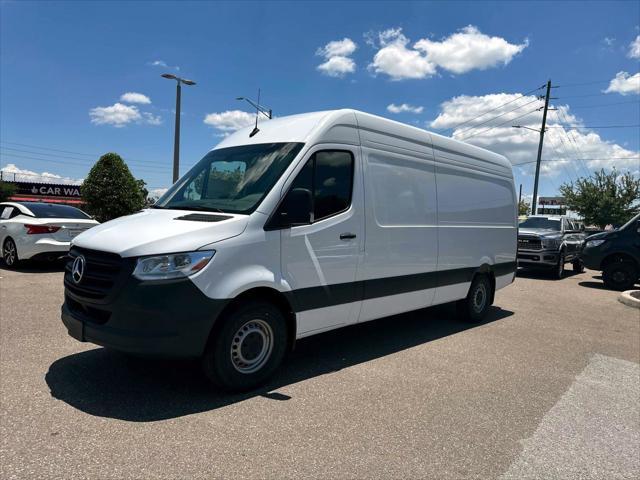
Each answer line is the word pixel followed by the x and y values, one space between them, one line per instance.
pixel 32 230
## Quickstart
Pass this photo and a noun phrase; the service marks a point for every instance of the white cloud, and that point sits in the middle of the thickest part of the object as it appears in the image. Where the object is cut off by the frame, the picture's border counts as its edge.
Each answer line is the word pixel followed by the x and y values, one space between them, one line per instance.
pixel 337 48
pixel 609 41
pixel 404 107
pixel 156 193
pixel 11 171
pixel 117 115
pixel 152 119
pixel 624 84
pixel 133 97
pixel 337 58
pixel 163 64
pixel 398 61
pixel 231 120
pixel 120 115
pixel 461 52
pixel 634 48
pixel 563 144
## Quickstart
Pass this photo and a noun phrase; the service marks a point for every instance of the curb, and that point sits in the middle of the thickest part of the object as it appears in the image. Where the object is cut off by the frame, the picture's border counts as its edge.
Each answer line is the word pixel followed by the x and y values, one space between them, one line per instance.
pixel 628 299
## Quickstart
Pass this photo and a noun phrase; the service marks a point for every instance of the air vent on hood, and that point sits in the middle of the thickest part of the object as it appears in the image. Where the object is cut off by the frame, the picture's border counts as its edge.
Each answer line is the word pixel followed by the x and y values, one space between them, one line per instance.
pixel 203 217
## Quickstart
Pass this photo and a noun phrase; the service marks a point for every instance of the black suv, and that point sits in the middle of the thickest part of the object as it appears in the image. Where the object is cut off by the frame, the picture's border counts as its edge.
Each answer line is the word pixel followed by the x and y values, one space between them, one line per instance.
pixel 550 241
pixel 616 254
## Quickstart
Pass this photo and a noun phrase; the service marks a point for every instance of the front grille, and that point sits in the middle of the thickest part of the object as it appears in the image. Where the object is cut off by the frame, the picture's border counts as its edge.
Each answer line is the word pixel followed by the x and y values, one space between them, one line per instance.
pixel 102 272
pixel 529 243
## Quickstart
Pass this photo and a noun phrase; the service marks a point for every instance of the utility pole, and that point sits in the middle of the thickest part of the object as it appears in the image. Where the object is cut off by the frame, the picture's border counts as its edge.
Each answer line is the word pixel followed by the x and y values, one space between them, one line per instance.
pixel 519 199
pixel 176 138
pixel 534 200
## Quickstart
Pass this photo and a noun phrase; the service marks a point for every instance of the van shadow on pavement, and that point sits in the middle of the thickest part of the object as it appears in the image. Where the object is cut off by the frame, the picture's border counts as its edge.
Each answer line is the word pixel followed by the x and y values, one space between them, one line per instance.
pixel 108 384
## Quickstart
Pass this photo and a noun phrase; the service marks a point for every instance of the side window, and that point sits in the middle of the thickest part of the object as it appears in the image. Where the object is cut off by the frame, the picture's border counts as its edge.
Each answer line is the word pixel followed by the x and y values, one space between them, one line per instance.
pixel 328 175
pixel 333 182
pixel 15 213
pixel 6 213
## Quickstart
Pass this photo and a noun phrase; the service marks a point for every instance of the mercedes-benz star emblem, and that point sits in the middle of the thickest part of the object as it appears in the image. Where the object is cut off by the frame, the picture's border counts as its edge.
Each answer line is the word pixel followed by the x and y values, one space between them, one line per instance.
pixel 77 270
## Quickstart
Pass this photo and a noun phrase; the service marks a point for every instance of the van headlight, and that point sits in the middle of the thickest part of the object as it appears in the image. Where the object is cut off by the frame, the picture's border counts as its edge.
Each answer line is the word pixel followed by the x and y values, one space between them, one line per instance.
pixel 173 265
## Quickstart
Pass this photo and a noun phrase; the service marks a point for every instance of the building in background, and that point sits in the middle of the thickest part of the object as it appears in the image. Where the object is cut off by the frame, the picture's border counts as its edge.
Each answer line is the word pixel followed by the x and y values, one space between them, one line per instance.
pixel 46 192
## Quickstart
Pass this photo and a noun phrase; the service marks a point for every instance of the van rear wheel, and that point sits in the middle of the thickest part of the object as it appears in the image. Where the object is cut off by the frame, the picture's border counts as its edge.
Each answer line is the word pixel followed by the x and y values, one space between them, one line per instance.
pixel 247 348
pixel 475 306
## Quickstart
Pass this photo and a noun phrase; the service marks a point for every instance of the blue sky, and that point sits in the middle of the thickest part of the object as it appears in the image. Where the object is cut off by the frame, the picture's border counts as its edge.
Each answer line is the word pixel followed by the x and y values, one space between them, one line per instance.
pixel 61 60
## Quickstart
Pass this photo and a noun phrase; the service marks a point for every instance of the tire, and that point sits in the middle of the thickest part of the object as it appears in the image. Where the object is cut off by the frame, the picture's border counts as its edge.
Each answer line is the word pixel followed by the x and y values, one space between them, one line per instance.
pixel 558 272
pixel 578 266
pixel 474 307
pixel 247 348
pixel 10 253
pixel 620 275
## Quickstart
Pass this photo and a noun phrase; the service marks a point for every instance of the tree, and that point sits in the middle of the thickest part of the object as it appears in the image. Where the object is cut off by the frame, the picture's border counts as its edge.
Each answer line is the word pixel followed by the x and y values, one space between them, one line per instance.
pixel 523 208
pixel 604 198
pixel 6 190
pixel 110 191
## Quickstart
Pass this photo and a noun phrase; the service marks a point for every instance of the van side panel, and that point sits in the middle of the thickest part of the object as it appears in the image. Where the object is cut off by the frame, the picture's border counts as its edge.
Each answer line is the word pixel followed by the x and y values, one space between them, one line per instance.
pixel 401 246
pixel 476 221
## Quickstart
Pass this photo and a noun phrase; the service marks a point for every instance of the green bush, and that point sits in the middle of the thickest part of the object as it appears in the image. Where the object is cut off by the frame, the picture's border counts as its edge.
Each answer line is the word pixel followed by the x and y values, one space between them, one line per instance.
pixel 110 191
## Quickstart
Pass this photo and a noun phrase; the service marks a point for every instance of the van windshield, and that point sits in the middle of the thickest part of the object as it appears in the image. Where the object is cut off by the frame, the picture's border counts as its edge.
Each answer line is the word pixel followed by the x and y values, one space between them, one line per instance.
pixel 233 180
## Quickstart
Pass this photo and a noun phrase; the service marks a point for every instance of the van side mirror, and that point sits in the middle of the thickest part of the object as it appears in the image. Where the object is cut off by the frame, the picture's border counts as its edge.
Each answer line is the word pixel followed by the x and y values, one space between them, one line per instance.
pixel 295 209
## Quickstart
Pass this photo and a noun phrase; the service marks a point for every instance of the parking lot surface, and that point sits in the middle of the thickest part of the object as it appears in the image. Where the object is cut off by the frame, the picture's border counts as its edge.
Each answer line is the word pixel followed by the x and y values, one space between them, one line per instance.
pixel 547 387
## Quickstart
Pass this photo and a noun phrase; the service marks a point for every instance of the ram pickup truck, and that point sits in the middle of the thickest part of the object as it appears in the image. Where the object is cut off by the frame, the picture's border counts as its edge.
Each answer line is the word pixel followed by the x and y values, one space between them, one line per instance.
pixel 616 254
pixel 549 241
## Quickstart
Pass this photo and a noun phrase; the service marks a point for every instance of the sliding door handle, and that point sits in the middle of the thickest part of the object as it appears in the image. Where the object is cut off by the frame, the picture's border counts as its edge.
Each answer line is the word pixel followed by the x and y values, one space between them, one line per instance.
pixel 347 236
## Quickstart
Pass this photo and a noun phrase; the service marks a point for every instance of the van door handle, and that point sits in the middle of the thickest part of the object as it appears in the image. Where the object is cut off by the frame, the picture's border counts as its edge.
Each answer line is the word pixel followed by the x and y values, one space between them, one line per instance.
pixel 347 236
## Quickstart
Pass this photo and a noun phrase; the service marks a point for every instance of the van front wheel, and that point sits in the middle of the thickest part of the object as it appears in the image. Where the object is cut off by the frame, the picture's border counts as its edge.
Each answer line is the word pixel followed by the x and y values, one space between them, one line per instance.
pixel 248 347
pixel 475 306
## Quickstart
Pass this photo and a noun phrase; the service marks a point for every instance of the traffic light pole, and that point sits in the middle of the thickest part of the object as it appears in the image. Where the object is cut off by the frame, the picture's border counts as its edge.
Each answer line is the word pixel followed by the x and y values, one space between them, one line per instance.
pixel 534 200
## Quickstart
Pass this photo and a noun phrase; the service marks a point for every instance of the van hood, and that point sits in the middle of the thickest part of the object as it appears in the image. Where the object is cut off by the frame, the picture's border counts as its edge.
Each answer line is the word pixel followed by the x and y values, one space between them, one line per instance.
pixel 158 231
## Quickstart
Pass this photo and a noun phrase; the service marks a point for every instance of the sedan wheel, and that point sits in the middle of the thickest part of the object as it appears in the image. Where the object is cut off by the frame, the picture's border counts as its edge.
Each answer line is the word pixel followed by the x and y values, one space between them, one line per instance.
pixel 10 253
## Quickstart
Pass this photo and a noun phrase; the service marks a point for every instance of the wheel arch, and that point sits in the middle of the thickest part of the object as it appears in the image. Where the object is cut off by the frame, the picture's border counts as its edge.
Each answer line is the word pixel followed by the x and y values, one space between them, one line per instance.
pixel 618 257
pixel 487 270
pixel 267 294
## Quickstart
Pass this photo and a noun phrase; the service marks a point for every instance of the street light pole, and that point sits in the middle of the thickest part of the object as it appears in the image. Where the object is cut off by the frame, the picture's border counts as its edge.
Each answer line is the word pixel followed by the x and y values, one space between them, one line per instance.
pixel 176 139
pixel 176 136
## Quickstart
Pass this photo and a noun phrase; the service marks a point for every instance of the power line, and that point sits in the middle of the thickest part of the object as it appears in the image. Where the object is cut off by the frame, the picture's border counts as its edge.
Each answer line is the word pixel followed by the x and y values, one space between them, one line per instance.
pixel 598 126
pixel 499 125
pixel 68 162
pixel 570 138
pixel 501 115
pixel 496 108
pixel 92 155
pixel 605 104
pixel 583 83
pixel 575 159
pixel 583 96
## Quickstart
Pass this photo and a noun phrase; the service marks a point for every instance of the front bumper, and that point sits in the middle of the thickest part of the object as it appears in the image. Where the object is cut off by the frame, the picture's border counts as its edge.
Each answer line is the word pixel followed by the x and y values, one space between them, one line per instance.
pixel 537 258
pixel 168 319
pixel 592 258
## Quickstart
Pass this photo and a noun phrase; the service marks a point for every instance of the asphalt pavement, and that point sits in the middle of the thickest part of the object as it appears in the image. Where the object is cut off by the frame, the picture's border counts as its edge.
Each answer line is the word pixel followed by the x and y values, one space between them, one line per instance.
pixel 547 387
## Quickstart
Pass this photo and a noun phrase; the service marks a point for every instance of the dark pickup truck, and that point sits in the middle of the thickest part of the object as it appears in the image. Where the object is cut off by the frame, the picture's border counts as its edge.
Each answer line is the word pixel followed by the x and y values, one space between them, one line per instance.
pixel 549 241
pixel 616 254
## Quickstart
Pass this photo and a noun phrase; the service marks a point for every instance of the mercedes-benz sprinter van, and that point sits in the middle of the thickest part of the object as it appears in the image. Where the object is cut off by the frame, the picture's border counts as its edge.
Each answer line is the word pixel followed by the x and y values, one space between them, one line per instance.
pixel 315 222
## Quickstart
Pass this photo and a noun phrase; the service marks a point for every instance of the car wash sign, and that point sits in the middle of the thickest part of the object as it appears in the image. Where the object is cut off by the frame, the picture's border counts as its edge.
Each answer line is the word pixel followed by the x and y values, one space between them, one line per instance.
pixel 48 190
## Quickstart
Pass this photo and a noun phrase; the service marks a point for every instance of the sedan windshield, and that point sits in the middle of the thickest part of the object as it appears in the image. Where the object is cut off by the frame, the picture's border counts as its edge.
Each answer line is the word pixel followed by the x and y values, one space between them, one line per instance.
pixel 542 223
pixel 233 180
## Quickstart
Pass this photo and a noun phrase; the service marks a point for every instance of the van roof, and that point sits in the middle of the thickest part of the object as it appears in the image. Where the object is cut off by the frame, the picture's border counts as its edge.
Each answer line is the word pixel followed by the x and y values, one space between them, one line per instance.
pixel 340 126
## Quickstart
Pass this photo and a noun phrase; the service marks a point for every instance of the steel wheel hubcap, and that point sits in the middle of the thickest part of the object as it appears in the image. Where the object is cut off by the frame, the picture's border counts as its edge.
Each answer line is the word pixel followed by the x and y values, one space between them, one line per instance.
pixel 251 346
pixel 479 297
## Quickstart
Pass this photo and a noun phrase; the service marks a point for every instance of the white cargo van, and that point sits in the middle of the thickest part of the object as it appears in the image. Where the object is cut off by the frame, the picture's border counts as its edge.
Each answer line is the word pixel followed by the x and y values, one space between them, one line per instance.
pixel 318 221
